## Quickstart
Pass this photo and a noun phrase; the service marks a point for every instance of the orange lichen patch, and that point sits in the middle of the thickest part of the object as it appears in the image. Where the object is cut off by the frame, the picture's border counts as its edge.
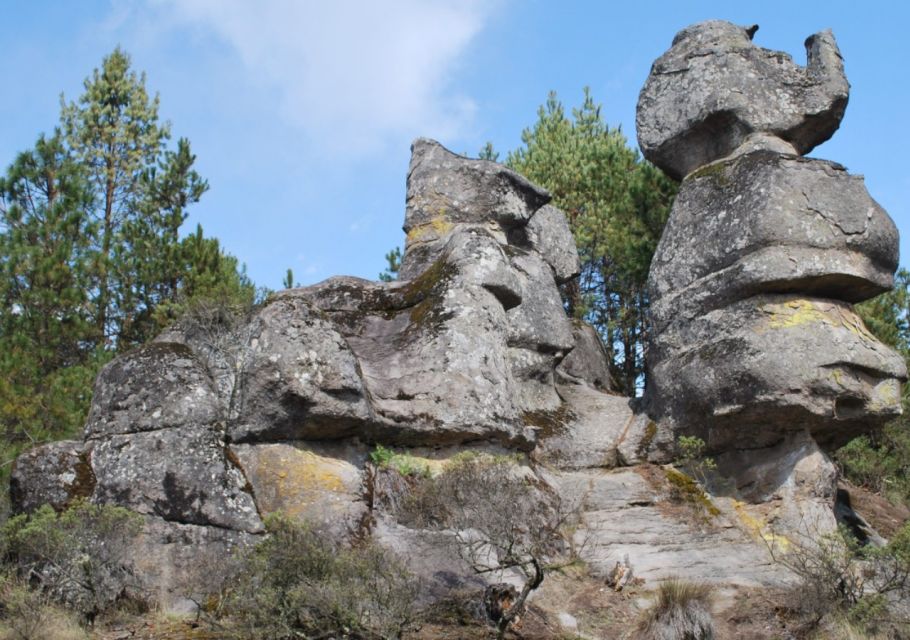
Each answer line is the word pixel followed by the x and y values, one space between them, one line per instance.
pixel 293 479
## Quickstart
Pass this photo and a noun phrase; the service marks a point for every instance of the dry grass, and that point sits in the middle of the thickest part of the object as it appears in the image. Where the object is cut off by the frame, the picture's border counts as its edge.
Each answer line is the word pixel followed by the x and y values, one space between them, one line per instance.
pixel 30 615
pixel 682 612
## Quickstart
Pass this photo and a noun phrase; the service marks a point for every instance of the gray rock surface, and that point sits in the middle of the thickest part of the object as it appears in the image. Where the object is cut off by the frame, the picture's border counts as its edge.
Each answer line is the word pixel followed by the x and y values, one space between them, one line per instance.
pixel 587 363
pixel 630 519
pixel 54 474
pixel 300 379
pixel 181 564
pixel 753 339
pixel 180 475
pixel 754 344
pixel 714 88
pixel 765 222
pixel 730 375
pixel 433 351
pixel 585 431
pixel 445 189
pixel 548 233
pixel 161 385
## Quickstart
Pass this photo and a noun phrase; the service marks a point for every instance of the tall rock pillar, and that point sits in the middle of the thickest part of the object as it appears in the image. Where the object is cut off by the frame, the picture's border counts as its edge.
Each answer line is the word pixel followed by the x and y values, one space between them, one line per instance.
pixel 755 345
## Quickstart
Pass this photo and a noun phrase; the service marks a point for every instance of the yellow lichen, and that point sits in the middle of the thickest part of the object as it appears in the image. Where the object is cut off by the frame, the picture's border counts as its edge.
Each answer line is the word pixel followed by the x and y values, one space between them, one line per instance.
pixel 438 226
pixel 291 480
pixel 800 311
pixel 838 376
pixel 759 530
pixel 686 489
pixel 885 396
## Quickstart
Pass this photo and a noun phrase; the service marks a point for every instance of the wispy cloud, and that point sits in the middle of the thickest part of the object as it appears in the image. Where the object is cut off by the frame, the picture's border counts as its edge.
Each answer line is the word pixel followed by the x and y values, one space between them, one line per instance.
pixel 350 75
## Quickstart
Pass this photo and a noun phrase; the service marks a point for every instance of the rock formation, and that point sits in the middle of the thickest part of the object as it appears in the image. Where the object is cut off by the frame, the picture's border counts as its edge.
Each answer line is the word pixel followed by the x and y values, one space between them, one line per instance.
pixel 215 425
pixel 755 346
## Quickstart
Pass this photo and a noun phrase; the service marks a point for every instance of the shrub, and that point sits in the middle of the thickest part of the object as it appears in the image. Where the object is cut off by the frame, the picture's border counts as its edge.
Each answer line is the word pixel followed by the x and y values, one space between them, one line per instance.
pixel 29 614
pixel 682 612
pixel 841 578
pixel 299 583
pixel 79 557
pixel 502 518
pixel 401 462
pixel 880 462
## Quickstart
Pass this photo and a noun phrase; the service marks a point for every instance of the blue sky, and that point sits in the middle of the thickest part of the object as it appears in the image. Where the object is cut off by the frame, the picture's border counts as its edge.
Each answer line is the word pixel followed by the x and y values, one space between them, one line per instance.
pixel 301 113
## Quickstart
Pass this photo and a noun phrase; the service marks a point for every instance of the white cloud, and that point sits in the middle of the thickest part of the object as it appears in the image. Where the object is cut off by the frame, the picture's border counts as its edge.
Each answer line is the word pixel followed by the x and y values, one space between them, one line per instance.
pixel 351 75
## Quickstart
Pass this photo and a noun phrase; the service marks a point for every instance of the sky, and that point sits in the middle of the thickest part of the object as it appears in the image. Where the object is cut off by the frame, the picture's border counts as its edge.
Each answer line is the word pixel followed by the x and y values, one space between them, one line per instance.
pixel 301 113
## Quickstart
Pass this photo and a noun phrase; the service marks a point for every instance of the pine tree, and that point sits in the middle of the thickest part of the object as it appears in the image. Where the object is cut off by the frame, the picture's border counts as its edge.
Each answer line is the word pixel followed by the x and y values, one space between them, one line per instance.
pixel 114 133
pixel 91 258
pixel 393 264
pixel 488 153
pixel 47 339
pixel 617 205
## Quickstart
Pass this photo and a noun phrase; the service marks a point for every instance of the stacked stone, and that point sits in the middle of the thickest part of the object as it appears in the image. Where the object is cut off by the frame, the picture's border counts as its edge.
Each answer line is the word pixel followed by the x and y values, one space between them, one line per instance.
pixel 754 336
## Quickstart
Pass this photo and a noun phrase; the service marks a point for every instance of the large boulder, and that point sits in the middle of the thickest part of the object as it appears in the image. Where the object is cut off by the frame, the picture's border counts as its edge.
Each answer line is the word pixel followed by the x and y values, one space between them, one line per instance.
pixel 548 233
pixel 299 379
pixel 57 474
pixel 754 344
pixel 765 222
pixel 159 386
pixel 181 475
pixel 433 351
pixel 714 89
pixel 743 375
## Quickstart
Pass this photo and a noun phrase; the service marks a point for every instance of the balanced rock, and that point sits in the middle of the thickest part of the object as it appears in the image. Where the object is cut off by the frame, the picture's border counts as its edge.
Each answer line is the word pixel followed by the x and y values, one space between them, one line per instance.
pixel 755 345
pixel 715 90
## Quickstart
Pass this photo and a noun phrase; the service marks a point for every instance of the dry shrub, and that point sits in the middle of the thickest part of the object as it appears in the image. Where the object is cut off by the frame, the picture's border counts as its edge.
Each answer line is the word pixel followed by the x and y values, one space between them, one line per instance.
pixel 29 614
pixel 502 518
pixel 682 612
pixel 298 583
pixel 865 586
pixel 80 557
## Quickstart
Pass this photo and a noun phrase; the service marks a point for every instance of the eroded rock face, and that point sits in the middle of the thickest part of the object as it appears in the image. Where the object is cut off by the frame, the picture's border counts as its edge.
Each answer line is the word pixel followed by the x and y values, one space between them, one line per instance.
pixel 223 421
pixel 766 222
pixel 299 379
pixel 714 90
pixel 755 346
pixel 55 474
pixel 445 190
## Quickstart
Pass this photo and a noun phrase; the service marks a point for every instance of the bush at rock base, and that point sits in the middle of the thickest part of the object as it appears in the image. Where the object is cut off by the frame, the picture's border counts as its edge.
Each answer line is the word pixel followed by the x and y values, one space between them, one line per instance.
pixel 863 587
pixel 29 614
pixel 79 558
pixel 299 583
pixel 504 521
